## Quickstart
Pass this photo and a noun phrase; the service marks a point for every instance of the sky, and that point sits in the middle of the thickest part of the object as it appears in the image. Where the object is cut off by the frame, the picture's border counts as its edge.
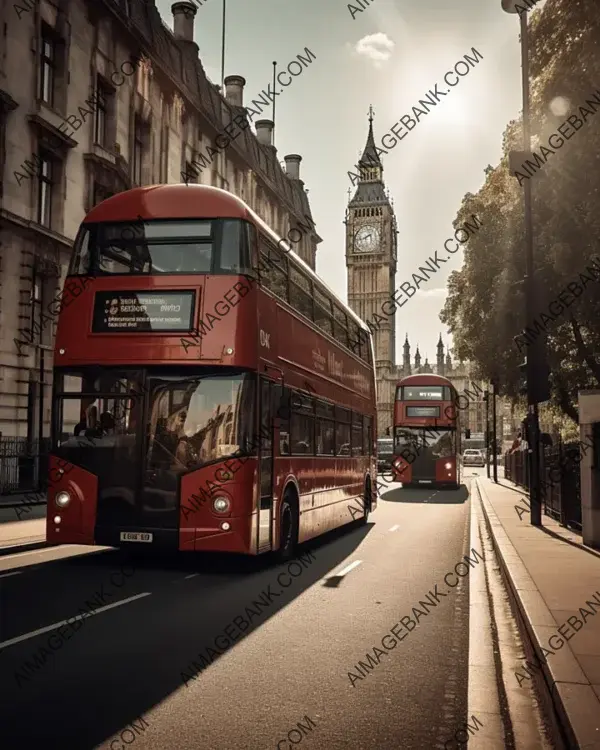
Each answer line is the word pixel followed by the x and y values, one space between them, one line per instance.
pixel 388 55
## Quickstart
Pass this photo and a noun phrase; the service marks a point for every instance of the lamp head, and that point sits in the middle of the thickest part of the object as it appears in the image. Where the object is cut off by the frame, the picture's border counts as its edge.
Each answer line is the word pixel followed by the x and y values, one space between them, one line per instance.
pixel 510 6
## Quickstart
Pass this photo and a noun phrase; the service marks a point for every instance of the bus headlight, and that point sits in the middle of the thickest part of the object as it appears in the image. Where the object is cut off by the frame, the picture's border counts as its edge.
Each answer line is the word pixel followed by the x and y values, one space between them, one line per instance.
pixel 221 504
pixel 448 465
pixel 62 499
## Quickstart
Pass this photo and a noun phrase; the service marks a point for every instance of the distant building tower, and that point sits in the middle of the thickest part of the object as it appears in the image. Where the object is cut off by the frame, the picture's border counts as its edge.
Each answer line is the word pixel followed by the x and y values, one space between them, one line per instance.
pixel 440 357
pixel 417 360
pixel 406 357
pixel 371 237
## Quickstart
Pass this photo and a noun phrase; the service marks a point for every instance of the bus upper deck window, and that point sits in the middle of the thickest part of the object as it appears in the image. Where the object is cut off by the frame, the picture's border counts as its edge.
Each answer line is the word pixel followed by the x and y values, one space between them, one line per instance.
pixel 232 257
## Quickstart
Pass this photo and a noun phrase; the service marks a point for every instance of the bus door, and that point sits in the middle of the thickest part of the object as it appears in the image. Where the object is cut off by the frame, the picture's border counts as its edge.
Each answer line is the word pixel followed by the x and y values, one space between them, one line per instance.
pixel 266 445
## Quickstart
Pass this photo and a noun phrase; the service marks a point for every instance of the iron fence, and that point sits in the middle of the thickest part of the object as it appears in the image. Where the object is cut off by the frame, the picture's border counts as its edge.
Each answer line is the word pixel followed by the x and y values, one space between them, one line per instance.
pixel 560 480
pixel 23 464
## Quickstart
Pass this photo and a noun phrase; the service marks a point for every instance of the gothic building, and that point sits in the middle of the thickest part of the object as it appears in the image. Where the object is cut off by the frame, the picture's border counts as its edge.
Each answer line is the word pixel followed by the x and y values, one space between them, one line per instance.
pixel 371 260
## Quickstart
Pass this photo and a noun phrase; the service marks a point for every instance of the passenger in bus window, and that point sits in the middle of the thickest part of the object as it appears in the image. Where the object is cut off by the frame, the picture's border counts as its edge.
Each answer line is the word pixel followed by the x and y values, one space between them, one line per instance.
pixel 79 427
pixel 92 429
pixel 107 423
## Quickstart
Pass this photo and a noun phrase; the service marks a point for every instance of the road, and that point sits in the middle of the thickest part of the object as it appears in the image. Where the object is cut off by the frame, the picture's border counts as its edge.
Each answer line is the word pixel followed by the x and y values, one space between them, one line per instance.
pixel 170 659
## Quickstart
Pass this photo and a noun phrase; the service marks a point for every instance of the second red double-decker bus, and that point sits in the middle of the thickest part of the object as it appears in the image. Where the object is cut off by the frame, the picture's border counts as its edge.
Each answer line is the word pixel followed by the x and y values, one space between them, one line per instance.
pixel 210 392
pixel 426 432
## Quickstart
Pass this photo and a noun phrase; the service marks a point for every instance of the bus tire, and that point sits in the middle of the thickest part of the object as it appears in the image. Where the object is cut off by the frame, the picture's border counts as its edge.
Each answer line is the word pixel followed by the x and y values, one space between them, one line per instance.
pixel 288 527
pixel 366 503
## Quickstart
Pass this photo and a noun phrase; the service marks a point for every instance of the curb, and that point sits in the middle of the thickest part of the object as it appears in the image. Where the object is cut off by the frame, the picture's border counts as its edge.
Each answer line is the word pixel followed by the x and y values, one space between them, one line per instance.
pixel 27 547
pixel 18 505
pixel 568 693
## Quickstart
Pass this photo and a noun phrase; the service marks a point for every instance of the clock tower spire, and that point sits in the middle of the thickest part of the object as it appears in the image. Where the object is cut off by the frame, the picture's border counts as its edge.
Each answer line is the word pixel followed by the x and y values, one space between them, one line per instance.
pixel 371 241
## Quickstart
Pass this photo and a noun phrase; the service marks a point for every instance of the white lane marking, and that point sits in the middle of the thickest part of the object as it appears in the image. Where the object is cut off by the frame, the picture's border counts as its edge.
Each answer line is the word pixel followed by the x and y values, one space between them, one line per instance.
pixel 33 633
pixel 343 572
pixel 191 576
pixel 395 528
pixel 13 573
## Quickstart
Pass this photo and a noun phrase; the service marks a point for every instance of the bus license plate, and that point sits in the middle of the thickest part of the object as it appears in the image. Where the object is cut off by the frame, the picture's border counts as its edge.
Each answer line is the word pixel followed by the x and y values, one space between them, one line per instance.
pixel 135 536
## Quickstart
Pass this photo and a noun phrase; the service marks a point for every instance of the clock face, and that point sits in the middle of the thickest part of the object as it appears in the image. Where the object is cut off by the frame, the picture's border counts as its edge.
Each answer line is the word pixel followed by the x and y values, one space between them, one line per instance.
pixel 366 240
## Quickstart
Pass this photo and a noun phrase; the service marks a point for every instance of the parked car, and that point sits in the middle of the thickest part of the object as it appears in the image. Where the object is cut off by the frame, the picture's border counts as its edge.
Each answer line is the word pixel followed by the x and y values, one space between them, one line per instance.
pixel 473 457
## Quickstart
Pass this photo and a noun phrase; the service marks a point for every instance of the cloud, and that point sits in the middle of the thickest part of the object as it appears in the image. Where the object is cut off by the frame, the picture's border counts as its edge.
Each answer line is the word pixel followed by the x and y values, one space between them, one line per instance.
pixel 377 47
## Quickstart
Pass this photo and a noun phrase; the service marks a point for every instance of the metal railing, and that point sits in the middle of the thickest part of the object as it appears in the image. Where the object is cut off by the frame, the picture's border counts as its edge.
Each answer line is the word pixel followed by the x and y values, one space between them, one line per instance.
pixel 561 490
pixel 23 464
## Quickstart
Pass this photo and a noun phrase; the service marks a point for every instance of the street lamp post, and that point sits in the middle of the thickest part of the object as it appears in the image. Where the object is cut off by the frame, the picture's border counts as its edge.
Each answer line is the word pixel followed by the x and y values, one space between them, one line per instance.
pixel 486 398
pixel 533 431
pixel 495 429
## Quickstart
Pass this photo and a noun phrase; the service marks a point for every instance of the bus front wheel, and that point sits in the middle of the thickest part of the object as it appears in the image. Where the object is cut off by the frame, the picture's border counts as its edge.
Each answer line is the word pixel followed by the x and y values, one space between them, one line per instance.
pixel 288 528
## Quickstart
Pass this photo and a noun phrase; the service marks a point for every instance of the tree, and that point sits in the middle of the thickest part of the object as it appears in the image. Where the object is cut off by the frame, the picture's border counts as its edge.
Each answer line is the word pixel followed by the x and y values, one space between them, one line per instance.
pixel 485 307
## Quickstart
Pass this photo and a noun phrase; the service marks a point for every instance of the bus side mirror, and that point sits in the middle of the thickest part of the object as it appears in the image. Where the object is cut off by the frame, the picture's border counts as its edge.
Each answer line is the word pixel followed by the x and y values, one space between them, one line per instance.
pixel 387 431
pixel 467 433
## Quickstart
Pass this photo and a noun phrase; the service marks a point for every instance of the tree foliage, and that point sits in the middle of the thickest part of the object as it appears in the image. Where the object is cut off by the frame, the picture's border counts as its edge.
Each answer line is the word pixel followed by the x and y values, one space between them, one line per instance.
pixel 485 307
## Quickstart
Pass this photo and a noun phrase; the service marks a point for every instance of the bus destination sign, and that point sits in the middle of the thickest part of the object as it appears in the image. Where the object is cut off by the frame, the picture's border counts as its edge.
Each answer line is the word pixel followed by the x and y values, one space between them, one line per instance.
pixel 423 393
pixel 423 411
pixel 135 312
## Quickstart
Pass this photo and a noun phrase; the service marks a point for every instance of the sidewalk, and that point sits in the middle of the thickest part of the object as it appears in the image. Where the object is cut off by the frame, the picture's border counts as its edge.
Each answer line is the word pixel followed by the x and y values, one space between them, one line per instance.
pixel 555 583
pixel 21 536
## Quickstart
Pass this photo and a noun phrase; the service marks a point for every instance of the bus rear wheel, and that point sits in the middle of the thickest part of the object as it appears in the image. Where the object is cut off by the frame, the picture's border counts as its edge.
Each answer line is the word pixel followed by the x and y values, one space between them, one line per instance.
pixel 288 529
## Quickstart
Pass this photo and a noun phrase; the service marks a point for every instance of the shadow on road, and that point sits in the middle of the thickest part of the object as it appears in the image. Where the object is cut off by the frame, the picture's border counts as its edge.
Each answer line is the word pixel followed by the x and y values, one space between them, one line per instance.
pixel 429 496
pixel 121 663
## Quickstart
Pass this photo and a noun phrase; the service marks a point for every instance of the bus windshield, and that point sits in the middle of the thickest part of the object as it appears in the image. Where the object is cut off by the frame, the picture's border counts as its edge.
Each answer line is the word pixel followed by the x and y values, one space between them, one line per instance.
pixel 437 443
pixel 162 247
pixel 104 420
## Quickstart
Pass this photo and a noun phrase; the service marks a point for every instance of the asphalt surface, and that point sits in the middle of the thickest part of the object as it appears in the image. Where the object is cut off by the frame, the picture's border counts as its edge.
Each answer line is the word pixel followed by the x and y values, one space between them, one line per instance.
pixel 126 675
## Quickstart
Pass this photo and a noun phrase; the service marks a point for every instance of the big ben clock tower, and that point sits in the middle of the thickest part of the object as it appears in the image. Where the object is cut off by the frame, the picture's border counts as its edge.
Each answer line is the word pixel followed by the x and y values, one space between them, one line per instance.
pixel 371 241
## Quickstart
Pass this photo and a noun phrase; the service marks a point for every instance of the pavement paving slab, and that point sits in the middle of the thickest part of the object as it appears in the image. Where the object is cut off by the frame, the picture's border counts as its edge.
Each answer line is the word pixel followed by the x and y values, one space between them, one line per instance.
pixel 552 575
pixel 19 536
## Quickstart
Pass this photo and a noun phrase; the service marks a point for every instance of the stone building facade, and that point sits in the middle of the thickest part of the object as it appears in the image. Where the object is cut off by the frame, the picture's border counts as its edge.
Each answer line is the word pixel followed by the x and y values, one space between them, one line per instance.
pixel 371 260
pixel 96 97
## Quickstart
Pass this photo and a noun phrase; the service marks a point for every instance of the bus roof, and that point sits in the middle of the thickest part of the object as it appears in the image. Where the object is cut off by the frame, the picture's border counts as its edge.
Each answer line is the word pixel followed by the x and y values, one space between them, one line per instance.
pixel 181 201
pixel 425 379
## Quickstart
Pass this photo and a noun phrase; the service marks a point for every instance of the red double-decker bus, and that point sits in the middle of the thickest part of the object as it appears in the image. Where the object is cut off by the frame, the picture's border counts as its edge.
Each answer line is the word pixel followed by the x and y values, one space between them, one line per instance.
pixel 426 432
pixel 210 392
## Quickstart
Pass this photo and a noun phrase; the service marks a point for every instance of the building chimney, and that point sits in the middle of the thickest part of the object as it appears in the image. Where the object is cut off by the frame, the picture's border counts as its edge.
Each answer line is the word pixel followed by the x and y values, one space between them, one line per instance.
pixel 184 13
pixel 234 90
pixel 292 165
pixel 264 132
